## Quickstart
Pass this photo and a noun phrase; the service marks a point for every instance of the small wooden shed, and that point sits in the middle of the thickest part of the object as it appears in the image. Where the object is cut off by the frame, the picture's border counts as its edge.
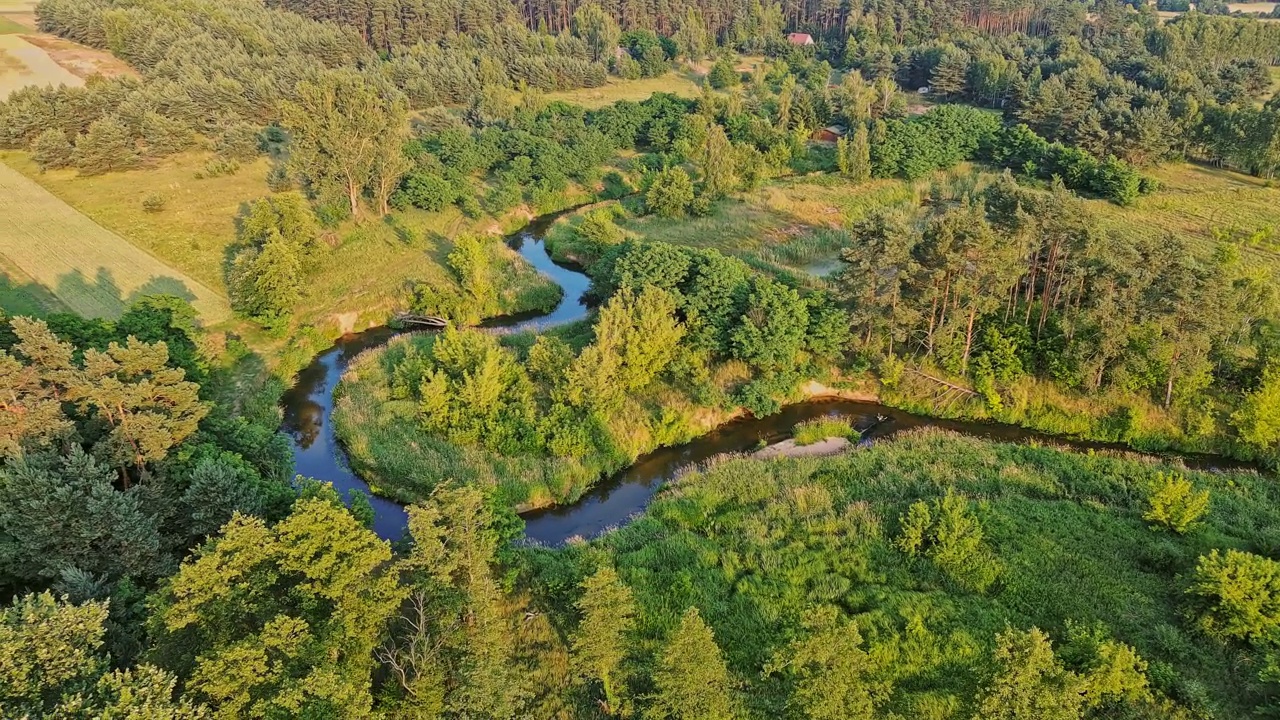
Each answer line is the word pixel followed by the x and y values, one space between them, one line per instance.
pixel 829 134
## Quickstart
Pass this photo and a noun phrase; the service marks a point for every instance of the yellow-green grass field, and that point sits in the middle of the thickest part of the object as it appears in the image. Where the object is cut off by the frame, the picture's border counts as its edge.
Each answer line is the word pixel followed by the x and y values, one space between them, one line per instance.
pixel 197 224
pixel 90 269
pixel 23 64
pixel 1250 8
pixel 9 26
pixel 1194 201
pixel 684 84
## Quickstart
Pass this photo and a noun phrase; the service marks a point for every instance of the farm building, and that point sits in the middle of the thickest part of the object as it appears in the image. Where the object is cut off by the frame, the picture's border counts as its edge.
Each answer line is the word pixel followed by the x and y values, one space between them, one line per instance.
pixel 829 134
pixel 800 39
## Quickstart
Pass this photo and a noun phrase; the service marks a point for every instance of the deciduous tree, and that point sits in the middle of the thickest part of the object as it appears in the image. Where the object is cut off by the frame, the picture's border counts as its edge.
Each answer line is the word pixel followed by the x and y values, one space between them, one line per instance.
pixel 343 126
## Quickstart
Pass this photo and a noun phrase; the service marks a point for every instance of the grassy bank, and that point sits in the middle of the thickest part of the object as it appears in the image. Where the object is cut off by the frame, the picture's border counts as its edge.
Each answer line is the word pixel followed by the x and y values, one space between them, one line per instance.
pixel 759 547
pixel 1109 416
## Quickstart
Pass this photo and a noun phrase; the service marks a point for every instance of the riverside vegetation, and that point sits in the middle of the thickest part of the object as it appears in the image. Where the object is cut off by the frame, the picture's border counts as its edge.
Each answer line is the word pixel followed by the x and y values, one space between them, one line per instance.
pixel 1000 245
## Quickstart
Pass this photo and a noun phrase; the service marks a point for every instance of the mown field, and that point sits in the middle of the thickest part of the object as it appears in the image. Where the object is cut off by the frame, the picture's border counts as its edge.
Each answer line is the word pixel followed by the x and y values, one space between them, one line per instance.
pixel 1207 205
pixel 91 270
pixel 20 295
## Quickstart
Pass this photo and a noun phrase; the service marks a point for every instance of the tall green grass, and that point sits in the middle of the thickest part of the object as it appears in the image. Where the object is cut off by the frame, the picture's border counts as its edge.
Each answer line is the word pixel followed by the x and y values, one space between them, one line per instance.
pixel 815 431
pixel 757 545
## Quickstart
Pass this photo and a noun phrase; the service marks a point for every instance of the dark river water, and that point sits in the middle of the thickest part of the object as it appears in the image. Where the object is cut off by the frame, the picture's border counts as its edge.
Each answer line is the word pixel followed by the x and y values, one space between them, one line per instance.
pixel 308 407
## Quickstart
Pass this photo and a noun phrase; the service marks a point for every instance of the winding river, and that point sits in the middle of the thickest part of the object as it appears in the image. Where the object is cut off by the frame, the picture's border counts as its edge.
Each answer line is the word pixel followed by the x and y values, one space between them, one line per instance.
pixel 308 408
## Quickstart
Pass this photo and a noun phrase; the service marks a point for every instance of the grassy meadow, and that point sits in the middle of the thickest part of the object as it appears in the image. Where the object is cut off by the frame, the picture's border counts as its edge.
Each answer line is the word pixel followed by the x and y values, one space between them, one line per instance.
pixel 683 83
pixel 758 546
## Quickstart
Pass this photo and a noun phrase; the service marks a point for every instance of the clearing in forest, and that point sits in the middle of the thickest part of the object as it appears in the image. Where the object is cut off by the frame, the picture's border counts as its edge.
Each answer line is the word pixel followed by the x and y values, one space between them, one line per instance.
pixel 90 269
pixel 676 83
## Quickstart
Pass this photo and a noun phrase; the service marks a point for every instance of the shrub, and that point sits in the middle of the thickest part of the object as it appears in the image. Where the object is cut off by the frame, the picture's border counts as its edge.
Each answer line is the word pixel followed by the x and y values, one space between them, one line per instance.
pixel 426 191
pixel 278 179
pixel 950 534
pixel 217 167
pixel 1174 503
pixel 670 194
pixel 1242 591
pixel 153 203
pixel 813 431
pixel 722 74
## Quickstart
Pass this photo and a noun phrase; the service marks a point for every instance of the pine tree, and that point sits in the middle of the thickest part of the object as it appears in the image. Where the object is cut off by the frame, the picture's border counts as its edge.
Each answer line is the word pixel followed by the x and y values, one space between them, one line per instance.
pixel 598 30
pixel 165 136
pixel 147 406
pixel 105 147
pixel 692 36
pixel 64 512
pixel 693 681
pixel 52 150
pixel 950 76
pixel 600 644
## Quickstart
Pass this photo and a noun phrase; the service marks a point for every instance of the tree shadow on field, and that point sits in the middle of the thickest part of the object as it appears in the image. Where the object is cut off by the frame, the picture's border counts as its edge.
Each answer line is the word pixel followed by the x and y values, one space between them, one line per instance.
pixel 102 296
pixel 162 286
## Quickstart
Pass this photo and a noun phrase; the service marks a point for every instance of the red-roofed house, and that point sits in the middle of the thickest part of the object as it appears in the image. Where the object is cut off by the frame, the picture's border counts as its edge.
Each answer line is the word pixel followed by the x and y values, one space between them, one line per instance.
pixel 800 38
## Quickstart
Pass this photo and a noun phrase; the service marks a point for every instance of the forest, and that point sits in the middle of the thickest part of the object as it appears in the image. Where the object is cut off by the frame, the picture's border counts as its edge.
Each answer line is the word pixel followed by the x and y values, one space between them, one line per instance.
pixel 950 207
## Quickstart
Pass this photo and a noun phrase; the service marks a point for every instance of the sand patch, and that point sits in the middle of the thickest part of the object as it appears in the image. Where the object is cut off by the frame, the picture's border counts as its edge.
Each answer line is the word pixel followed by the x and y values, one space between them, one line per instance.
pixel 789 448
pixel 80 60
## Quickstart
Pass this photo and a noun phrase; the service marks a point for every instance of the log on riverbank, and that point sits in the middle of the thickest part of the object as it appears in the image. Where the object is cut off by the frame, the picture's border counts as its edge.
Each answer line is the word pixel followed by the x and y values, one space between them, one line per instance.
pixel 428 321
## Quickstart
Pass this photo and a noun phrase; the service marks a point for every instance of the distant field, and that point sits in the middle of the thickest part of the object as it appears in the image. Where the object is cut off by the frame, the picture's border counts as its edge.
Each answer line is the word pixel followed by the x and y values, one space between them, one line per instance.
pixel 90 269
pixel 1249 8
pixel 785 221
pixel 679 83
pixel 23 64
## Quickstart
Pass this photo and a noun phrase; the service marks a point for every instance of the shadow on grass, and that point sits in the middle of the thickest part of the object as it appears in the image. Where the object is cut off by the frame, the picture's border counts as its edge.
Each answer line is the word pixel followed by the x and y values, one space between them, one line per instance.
pixel 102 297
